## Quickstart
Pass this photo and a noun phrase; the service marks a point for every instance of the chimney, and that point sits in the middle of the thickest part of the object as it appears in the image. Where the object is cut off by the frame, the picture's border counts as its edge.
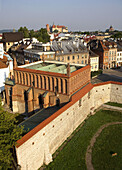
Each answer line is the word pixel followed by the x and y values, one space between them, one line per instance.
pixel 68 70
pixel 15 62
pixel 48 28
pixel 43 58
pixel 26 62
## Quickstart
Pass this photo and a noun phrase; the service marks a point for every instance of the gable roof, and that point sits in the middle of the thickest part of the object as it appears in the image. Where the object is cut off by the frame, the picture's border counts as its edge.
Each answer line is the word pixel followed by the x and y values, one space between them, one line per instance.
pixel 92 54
pixel 12 36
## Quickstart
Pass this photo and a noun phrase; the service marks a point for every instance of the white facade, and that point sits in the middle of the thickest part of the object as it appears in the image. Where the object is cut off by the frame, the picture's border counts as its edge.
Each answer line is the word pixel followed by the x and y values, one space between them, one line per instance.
pixel 94 63
pixel 1 50
pixel 119 58
pixel 4 73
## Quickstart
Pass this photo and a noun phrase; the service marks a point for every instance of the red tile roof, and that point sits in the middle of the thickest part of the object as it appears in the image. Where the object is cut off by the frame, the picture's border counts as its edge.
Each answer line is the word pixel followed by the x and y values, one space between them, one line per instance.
pixel 58 26
pixel 2 64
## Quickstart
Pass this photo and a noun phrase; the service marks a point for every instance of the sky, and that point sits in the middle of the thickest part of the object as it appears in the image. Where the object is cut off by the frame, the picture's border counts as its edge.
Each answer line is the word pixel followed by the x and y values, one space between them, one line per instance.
pixel 77 15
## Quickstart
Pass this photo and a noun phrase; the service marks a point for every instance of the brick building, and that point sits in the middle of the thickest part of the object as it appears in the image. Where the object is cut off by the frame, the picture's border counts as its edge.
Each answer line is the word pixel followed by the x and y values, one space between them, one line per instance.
pixel 43 84
pixel 107 52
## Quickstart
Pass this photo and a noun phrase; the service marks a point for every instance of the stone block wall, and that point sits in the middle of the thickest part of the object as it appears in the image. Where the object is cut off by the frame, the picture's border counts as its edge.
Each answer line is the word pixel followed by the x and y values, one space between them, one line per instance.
pixel 37 146
pixel 116 93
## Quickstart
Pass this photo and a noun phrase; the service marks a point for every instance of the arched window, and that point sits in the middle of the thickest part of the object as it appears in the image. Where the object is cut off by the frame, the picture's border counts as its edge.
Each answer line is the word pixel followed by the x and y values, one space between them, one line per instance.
pixel 53 83
pixel 26 78
pixel 66 85
pixel 61 86
pixel 17 77
pixel 30 79
pixel 57 84
pixel 23 78
pixel 37 81
pixel 33 80
pixel 44 82
pixel 49 82
pixel 41 81
pixel 20 78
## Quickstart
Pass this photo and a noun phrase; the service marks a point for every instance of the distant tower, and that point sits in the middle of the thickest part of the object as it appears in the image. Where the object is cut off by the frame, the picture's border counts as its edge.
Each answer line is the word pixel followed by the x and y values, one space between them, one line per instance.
pixel 48 28
pixel 14 30
pixel 111 29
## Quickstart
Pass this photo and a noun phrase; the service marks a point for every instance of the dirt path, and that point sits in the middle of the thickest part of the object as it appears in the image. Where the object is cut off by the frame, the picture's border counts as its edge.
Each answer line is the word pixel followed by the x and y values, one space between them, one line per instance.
pixel 92 142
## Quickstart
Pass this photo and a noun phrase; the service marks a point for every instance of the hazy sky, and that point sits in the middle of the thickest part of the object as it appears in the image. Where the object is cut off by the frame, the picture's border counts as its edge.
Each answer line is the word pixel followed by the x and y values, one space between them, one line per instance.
pixel 76 14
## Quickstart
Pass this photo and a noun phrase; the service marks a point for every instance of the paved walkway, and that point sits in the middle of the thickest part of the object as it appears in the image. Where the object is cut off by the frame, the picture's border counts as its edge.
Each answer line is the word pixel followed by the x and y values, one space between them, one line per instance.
pixel 108 75
pixel 92 142
pixel 38 117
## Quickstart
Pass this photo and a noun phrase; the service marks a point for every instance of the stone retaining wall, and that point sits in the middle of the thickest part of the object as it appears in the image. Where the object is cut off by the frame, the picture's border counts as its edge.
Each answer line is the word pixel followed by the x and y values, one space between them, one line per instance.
pixel 37 146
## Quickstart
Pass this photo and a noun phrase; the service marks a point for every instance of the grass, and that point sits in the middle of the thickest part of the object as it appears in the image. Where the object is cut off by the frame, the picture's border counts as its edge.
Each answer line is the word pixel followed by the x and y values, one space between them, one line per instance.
pixel 107 143
pixel 114 104
pixel 73 154
pixel 96 73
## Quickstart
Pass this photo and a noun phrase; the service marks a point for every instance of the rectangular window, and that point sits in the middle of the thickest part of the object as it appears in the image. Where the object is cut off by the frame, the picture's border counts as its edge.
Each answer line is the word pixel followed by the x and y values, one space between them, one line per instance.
pixel 68 58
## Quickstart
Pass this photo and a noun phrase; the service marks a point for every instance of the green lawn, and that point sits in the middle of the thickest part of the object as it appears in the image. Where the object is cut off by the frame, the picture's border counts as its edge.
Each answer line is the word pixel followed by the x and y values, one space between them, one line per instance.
pixel 108 142
pixel 114 104
pixel 96 73
pixel 73 154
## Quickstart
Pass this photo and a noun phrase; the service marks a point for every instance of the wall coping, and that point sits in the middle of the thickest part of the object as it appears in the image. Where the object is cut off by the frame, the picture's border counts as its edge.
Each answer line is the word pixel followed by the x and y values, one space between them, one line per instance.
pixel 74 99
pixel 51 73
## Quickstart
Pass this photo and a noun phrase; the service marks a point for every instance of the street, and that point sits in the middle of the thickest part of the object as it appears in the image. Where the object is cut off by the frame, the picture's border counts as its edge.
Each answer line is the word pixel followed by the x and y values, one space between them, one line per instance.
pixel 108 75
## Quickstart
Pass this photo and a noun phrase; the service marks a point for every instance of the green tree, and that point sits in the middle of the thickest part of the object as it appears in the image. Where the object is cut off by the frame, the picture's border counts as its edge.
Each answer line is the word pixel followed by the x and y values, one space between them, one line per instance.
pixel 9 134
pixel 32 33
pixel 117 35
pixel 43 36
pixel 25 31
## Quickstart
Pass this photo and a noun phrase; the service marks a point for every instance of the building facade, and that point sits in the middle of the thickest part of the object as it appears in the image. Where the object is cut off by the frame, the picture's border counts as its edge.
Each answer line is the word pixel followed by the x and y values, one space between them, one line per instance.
pixel 57 28
pixel 107 52
pixel 119 53
pixel 94 61
pixel 6 67
pixel 10 38
pixel 71 52
pixel 43 84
